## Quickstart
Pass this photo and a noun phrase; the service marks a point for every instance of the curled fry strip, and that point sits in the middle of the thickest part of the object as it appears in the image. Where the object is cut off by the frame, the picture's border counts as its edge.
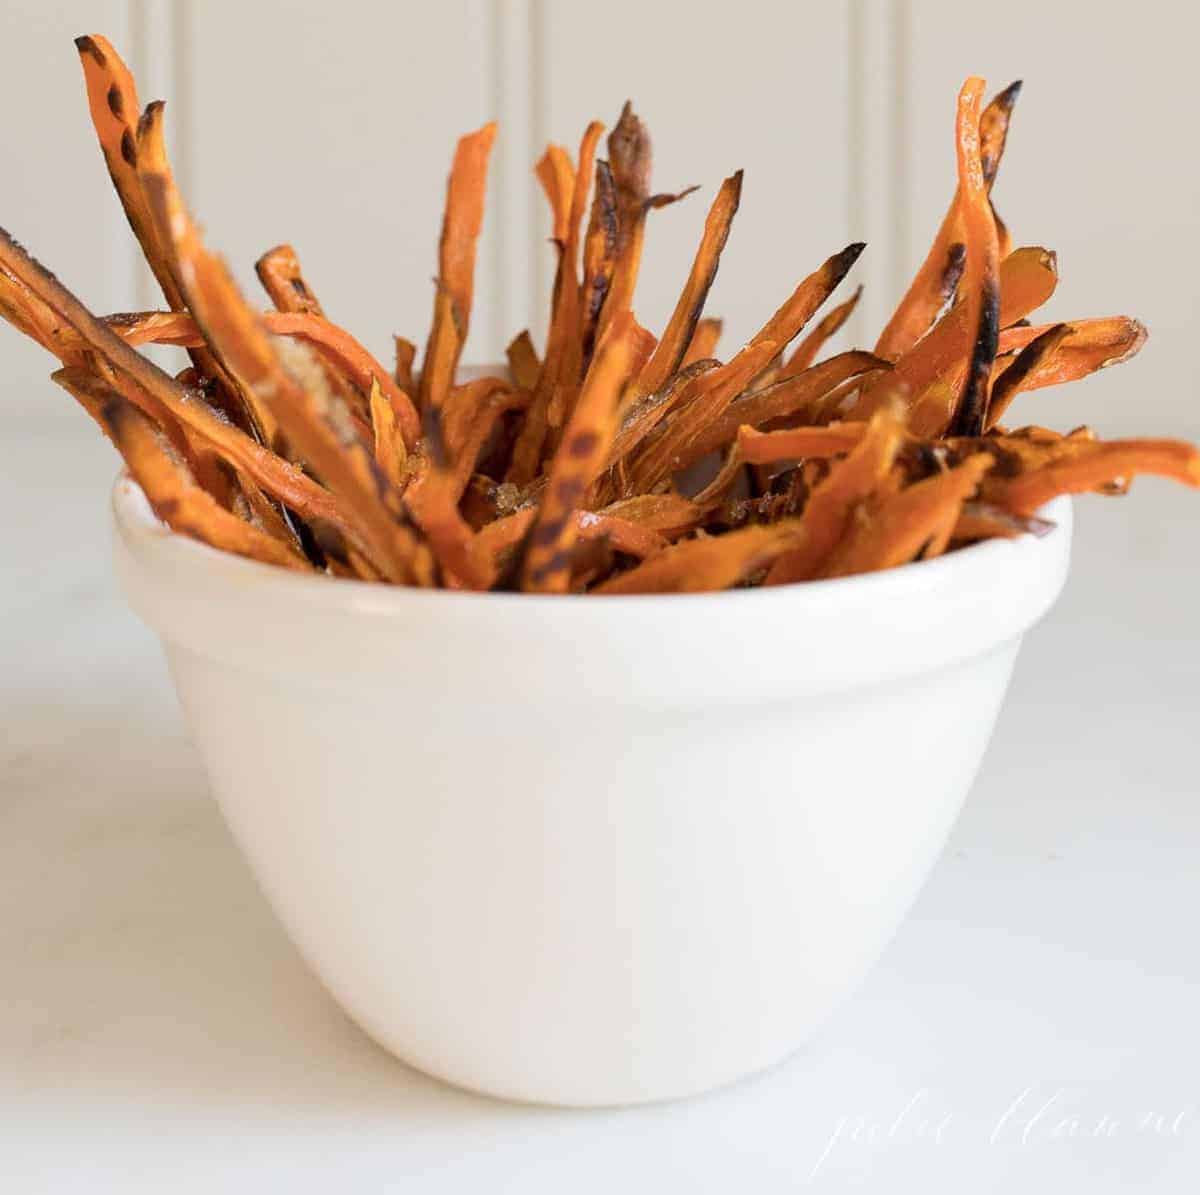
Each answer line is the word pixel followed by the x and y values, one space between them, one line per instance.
pixel 406 353
pixel 807 350
pixel 981 272
pixel 461 226
pixel 1016 377
pixel 897 530
pixel 681 327
pixel 707 564
pixel 1092 465
pixel 1092 345
pixel 171 491
pixel 580 456
pixel 938 277
pixel 1028 277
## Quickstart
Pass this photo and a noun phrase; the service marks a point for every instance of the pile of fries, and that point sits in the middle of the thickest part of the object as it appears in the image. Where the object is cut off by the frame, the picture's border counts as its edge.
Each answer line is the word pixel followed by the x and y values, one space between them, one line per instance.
pixel 615 462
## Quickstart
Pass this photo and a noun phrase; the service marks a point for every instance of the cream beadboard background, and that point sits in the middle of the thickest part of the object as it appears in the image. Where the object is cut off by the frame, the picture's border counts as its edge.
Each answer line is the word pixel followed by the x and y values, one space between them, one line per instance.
pixel 332 125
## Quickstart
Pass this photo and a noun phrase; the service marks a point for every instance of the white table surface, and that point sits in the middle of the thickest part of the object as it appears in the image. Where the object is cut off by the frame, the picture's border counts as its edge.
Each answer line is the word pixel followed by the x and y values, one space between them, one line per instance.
pixel 1035 1026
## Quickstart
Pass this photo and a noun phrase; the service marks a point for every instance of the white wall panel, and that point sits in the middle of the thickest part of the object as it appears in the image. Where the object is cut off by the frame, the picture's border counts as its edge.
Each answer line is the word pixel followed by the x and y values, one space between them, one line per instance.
pixel 55 195
pixel 758 85
pixel 332 126
pixel 1100 166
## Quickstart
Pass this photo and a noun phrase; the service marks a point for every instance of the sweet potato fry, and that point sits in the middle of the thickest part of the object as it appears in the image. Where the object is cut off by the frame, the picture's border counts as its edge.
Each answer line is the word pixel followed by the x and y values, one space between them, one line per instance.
pixel 704 341
pixel 523 363
pixel 797 443
pixel 1092 345
pixel 406 354
pixel 807 350
pixel 322 432
pixel 791 318
pixel 706 399
pixel 390 451
pixel 115 110
pixel 1017 375
pixel 937 279
pixel 171 491
pixel 707 564
pixel 599 258
pixel 899 527
pixel 983 520
pixel 580 457
pixel 461 225
pixel 833 502
pixel 629 160
pixel 1027 279
pixel 792 396
pixel 668 514
pixel 162 392
pixel 980 281
pixel 1092 465
pixel 681 327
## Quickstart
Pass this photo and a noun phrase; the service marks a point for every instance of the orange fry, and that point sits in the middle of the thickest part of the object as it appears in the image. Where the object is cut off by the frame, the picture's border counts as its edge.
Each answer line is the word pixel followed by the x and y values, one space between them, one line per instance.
pixel 807 350
pixel 1093 465
pixel 834 501
pixel 461 226
pixel 320 431
pixel 980 280
pixel 896 531
pixel 704 341
pixel 170 489
pixel 707 564
pixel 938 278
pixel 681 327
pixel 792 396
pixel 580 457
pixel 798 443
pixel 523 363
pixel 1027 279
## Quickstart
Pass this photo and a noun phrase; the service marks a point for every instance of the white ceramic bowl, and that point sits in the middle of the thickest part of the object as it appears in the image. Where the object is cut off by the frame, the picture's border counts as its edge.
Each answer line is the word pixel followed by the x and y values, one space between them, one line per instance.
pixel 589 850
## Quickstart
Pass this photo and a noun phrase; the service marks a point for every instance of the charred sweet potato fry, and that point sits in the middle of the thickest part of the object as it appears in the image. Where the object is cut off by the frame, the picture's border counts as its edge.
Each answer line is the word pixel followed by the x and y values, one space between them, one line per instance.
pixel 980 280
pixel 617 461
pixel 1092 465
pixel 171 491
pixel 681 327
pixel 580 457
pixel 807 350
pixel 937 279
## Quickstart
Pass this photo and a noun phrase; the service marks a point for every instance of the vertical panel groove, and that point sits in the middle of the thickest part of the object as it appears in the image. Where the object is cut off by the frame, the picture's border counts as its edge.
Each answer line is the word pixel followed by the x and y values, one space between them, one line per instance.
pixel 515 97
pixel 878 167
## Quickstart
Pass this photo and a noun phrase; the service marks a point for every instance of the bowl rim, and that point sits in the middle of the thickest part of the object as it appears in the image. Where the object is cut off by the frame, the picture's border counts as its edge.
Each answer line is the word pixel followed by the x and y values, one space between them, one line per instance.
pixel 147 537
